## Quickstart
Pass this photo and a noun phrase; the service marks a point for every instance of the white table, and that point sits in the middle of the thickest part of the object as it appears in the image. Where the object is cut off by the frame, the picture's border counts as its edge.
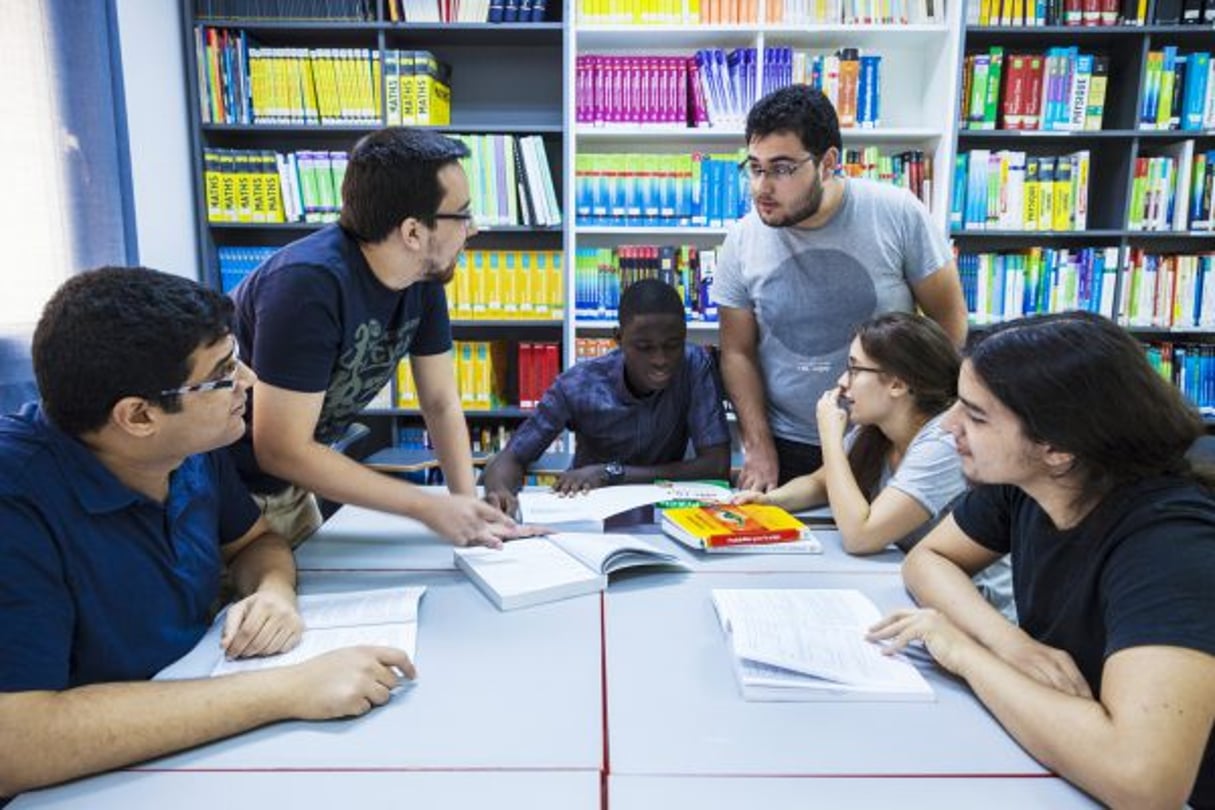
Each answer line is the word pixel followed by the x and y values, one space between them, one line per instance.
pixel 854 793
pixel 324 790
pixel 358 539
pixel 674 706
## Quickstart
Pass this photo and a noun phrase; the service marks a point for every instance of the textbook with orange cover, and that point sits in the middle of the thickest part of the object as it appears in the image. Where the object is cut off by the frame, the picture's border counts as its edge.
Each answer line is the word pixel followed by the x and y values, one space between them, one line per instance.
pixel 731 527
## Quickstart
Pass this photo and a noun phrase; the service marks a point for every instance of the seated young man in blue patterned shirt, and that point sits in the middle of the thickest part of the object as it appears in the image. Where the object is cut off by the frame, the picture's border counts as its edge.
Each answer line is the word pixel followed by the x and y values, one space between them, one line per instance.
pixel 632 410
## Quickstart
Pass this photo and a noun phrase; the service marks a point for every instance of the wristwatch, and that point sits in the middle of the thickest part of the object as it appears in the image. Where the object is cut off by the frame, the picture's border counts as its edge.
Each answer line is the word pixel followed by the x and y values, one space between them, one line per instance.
pixel 613 473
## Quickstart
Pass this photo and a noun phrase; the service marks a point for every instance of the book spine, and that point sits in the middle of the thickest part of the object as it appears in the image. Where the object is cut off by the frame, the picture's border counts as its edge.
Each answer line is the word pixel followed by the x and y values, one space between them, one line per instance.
pixel 758 538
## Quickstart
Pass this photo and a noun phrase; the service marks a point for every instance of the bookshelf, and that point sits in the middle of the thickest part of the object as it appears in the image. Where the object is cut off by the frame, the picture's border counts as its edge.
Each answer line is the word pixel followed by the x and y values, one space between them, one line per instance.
pixel 525 100
pixel 1160 301
pixel 917 95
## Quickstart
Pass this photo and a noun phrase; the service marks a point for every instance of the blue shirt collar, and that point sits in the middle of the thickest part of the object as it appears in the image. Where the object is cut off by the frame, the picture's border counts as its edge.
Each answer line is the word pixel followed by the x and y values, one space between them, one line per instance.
pixel 96 488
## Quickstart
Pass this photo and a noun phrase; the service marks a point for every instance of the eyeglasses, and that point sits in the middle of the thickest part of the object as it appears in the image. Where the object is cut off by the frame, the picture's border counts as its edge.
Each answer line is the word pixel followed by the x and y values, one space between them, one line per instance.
pixel 224 383
pixel 778 171
pixel 852 369
pixel 465 217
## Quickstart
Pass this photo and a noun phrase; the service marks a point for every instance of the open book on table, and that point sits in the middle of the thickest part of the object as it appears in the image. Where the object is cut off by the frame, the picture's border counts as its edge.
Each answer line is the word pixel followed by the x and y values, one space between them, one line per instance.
pixel 800 644
pixel 607 508
pixel 750 527
pixel 384 617
pixel 535 570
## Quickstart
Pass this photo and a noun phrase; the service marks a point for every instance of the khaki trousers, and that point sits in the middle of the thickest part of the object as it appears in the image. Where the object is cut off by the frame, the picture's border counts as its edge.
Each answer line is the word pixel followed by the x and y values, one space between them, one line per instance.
pixel 292 513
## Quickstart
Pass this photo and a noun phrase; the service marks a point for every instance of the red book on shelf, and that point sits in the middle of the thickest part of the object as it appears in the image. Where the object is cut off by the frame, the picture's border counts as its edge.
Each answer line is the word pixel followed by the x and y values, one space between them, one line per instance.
pixel 1011 109
pixel 1034 70
pixel 524 373
pixel 550 365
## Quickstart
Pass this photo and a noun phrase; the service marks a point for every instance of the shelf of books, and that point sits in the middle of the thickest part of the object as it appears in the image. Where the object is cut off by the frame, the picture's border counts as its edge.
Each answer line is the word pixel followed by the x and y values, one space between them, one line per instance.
pixel 280 100
pixel 660 92
pixel 1084 172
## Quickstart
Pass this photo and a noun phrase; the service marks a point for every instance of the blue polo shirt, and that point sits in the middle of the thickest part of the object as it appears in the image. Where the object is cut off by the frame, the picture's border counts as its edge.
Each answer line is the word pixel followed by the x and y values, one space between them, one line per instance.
pixel 98 582
pixel 611 424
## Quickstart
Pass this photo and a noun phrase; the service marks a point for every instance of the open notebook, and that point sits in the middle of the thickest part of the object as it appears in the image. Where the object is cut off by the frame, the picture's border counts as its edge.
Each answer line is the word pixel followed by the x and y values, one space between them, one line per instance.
pixel 535 570
pixel 803 644
pixel 609 507
pixel 385 617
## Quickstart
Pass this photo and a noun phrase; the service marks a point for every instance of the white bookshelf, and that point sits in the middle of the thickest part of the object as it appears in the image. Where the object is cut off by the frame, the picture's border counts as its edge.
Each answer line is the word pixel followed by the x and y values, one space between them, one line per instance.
pixel 919 96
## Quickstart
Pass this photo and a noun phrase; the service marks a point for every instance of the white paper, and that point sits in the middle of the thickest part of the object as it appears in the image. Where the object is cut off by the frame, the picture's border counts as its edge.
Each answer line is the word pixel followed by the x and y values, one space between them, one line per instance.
pixel 602 503
pixel 606 553
pixel 525 566
pixel 382 618
pixel 781 636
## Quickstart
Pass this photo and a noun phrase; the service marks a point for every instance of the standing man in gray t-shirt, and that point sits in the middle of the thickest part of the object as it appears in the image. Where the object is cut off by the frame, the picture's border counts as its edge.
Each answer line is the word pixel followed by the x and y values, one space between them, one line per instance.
pixel 819 254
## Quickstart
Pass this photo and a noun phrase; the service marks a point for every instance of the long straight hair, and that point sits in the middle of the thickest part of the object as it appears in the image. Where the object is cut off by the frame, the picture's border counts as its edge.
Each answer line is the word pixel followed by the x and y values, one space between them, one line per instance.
pixel 917 351
pixel 1081 384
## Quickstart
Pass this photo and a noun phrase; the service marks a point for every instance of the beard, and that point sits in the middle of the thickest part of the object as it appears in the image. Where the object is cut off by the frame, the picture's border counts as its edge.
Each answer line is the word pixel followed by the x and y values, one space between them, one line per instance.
pixel 433 271
pixel 801 210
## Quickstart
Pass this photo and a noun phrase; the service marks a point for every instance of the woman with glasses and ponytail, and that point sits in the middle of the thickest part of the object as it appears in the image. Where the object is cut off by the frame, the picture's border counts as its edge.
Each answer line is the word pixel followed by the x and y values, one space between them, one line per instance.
pixel 895 474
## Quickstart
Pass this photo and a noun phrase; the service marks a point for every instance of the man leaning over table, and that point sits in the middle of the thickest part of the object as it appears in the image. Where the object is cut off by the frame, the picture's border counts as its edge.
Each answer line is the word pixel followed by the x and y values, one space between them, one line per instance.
pixel 118 513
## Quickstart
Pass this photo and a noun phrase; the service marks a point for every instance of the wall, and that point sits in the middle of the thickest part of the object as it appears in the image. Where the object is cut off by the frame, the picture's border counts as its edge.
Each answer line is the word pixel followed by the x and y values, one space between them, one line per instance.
pixel 150 36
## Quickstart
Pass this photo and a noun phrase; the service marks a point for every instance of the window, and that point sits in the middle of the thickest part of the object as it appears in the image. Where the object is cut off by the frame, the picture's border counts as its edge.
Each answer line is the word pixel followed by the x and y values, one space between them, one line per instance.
pixel 32 203
pixel 64 175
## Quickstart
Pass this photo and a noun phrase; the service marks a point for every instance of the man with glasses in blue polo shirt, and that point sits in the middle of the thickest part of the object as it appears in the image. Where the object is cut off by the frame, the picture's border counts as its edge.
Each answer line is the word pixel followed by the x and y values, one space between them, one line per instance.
pixel 324 323
pixel 119 510
pixel 818 255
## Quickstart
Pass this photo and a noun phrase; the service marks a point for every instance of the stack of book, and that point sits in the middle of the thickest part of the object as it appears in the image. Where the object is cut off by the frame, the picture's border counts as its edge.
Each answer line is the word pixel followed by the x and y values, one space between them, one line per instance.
pixel 510 181
pixel 848 77
pixel 1062 90
pixel 466 11
pixel 1001 286
pixel 1179 91
pixel 508 285
pixel 1011 191
pixel 1168 291
pixel 1088 13
pixel 602 274
pixel 653 190
pixel 751 527
pixel 482 370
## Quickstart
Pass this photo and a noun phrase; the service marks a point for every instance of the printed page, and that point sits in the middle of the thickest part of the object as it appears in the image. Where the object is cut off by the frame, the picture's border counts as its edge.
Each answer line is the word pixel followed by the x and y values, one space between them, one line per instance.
pixel 611 552
pixel 385 617
pixel 816 632
pixel 525 566
pixel 597 504
pixel 360 607
pixel 403 636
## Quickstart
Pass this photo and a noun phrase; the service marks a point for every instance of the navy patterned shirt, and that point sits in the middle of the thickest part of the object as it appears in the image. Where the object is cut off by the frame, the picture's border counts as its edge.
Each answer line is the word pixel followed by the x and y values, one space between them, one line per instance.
pixel 611 424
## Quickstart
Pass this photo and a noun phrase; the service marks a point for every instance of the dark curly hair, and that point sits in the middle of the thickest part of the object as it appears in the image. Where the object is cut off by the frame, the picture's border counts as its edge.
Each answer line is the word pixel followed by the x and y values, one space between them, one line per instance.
pixel 117 332
pixel 393 174
pixel 649 296
pixel 799 109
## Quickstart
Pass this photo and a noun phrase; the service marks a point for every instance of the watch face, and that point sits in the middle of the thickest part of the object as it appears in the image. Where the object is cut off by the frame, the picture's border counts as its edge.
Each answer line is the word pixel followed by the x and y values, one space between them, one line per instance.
pixel 613 471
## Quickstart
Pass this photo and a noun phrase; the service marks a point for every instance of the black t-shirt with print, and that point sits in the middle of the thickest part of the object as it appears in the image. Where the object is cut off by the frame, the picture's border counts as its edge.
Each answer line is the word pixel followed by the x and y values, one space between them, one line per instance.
pixel 313 317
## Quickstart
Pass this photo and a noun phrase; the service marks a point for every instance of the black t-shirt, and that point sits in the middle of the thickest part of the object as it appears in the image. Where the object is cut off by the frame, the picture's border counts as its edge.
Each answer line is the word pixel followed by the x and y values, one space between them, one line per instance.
pixel 313 317
pixel 1138 570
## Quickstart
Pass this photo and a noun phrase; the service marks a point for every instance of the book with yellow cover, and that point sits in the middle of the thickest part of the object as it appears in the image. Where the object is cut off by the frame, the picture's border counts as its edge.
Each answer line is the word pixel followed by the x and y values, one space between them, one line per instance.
pixel 738 527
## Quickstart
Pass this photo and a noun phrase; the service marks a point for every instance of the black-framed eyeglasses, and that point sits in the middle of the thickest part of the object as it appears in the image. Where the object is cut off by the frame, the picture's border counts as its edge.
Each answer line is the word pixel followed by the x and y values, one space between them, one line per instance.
pixel 460 216
pixel 226 382
pixel 852 369
pixel 778 170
